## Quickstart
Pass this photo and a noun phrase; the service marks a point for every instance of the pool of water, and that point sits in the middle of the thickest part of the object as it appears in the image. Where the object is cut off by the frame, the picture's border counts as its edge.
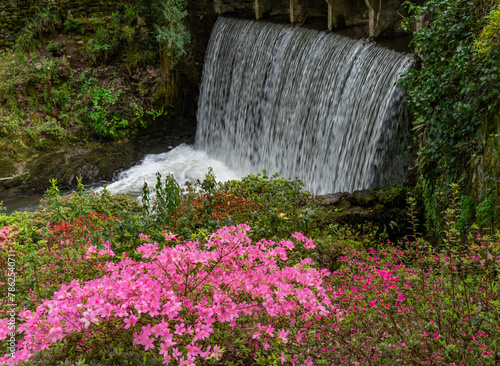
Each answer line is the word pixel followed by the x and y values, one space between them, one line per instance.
pixel 23 203
pixel 184 162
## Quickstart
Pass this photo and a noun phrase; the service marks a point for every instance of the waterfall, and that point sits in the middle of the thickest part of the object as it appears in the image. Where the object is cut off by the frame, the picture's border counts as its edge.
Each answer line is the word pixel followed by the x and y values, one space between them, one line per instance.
pixel 308 104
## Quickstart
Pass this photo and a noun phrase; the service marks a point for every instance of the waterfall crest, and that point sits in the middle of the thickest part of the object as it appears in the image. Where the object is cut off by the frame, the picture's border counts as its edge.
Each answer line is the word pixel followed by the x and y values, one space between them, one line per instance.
pixel 309 104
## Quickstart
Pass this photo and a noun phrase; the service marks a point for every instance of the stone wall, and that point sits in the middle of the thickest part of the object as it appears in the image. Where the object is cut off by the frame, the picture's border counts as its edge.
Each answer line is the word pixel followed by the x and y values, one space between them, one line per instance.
pixel 233 6
pixel 383 17
pixel 14 14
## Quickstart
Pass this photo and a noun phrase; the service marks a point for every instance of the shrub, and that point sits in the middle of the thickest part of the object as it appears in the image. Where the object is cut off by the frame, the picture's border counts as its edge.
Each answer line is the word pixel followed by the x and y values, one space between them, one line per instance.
pixel 53 48
pixel 272 206
pixel 187 302
pixel 102 118
pixel 238 301
pixel 43 23
pixel 489 38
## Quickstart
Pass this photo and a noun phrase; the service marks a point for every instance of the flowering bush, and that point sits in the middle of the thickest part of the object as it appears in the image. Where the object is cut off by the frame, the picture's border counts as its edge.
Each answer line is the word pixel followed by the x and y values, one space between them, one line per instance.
pixel 231 299
pixel 272 206
pixel 414 306
pixel 183 303
pixel 90 293
pixel 6 236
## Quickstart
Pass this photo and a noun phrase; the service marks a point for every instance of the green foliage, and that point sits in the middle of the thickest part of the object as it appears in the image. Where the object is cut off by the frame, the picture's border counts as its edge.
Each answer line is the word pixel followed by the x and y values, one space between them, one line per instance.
pixel 99 47
pixel 284 201
pixel 43 23
pixel 167 16
pixel 53 48
pixel 103 119
pixel 45 102
pixel 165 201
pixel 73 25
pixel 490 35
pixel 27 42
pixel 28 109
pixel 170 30
pixel 123 30
pixel 485 210
pixel 274 207
pixel 453 95
pixel 10 125
pixel 46 126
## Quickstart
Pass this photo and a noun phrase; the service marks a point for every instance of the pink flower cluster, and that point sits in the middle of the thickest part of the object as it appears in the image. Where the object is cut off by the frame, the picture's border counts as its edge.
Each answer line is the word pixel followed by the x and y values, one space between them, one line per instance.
pixel 178 297
pixel 6 236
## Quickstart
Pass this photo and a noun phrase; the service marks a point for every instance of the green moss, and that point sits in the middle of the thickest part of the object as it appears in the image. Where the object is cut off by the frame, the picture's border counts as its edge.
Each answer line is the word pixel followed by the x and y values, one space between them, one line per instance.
pixel 7 168
pixel 363 198
pixel 392 195
pixel 487 187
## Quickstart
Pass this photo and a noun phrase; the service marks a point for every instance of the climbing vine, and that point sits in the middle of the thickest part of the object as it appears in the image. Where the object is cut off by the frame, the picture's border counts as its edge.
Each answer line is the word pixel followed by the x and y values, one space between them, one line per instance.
pixel 453 94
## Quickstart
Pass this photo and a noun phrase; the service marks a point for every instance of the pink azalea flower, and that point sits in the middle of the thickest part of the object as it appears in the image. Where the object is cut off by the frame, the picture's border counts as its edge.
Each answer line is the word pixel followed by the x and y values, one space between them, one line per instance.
pixel 299 236
pixel 283 335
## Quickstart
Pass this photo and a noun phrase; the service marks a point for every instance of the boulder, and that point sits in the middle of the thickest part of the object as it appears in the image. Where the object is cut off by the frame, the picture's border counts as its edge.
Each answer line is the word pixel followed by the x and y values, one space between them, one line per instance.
pixel 92 163
pixel 384 207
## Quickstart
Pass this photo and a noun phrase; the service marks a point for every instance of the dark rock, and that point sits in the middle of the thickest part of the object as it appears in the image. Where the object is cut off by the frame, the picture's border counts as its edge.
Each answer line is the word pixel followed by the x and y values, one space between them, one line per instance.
pixel 92 163
pixel 335 198
pixel 384 208
pixel 364 198
pixel 88 173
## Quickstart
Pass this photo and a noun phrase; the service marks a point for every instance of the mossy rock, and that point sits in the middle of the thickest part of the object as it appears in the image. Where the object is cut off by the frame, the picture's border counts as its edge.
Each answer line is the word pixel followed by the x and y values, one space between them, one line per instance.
pixel 100 164
pixel 7 168
pixel 394 195
pixel 339 200
pixel 364 198
pixel 385 208
pixel 42 168
pixel 92 163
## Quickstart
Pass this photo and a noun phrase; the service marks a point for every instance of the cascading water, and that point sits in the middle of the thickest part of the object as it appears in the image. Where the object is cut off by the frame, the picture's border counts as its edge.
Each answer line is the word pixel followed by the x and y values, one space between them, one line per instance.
pixel 312 105
pixel 308 104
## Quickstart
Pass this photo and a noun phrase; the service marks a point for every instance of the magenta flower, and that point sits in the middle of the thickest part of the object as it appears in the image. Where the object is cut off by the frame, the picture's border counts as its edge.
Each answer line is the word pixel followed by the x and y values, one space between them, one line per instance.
pixel 283 335
pixel 130 321
pixel 56 334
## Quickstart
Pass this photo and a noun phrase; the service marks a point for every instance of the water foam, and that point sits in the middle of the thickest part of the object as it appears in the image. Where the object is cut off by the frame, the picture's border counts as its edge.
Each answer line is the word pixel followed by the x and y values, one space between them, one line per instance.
pixel 183 162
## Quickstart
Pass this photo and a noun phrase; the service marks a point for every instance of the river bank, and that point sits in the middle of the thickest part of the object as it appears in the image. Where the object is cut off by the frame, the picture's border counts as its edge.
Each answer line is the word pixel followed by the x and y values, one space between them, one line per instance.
pixel 93 162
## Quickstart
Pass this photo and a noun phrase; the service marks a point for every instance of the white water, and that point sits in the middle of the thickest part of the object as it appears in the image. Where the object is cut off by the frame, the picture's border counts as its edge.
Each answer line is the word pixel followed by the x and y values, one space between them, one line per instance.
pixel 183 162
pixel 312 105
pixel 308 104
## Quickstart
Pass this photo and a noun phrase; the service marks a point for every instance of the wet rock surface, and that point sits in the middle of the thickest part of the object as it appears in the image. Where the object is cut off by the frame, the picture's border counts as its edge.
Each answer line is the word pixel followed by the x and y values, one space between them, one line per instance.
pixel 385 207
pixel 93 162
